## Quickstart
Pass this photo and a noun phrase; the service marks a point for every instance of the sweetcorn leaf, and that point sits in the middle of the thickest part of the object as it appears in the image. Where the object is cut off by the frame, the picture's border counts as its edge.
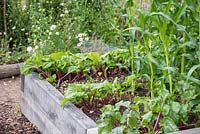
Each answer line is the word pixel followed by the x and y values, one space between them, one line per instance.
pixel 167 17
pixel 191 71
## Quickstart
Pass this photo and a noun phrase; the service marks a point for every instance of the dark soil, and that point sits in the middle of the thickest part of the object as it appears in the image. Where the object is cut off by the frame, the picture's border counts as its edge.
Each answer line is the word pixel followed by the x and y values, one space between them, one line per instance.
pixel 93 109
pixel 13 122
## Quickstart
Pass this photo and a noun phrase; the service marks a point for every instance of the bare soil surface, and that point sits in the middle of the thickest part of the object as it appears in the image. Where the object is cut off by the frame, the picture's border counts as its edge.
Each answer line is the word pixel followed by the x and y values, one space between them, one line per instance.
pixel 11 119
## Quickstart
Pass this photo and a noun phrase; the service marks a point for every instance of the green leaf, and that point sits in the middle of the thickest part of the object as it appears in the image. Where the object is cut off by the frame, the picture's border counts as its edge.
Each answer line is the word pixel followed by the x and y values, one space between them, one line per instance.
pixel 52 78
pixel 180 27
pixel 57 56
pixel 102 124
pixel 184 113
pixel 168 125
pixel 152 59
pixel 131 131
pixel 175 107
pixel 72 69
pixel 118 130
pixel 166 109
pixel 132 119
pixel 146 118
pixel 47 65
pixel 191 71
pixel 122 103
pixel 180 12
pixel 124 116
pixel 63 102
pixel 95 57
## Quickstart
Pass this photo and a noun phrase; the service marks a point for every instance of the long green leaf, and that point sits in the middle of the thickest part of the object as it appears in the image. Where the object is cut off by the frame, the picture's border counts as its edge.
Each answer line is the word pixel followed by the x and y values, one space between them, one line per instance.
pixel 180 27
pixel 191 71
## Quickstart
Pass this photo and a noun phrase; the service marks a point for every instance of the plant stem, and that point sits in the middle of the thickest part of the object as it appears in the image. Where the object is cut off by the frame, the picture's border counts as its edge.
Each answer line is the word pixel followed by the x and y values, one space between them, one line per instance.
pixel 183 61
pixel 168 65
pixel 157 122
pixel 132 64
pixel 151 69
pixel 132 58
pixel 183 58
pixel 159 115
pixel 4 18
pixel 152 77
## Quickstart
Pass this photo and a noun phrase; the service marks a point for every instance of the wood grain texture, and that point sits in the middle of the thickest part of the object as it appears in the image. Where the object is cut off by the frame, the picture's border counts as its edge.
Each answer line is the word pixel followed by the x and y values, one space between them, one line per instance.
pixel 44 99
pixel 9 70
pixel 189 131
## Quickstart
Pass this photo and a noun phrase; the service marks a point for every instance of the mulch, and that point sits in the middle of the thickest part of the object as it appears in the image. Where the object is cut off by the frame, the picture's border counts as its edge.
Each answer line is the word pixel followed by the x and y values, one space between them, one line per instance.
pixel 12 121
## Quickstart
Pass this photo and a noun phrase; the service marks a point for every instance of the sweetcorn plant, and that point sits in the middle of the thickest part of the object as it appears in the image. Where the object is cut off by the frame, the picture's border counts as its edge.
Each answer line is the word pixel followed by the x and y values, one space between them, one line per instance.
pixel 164 52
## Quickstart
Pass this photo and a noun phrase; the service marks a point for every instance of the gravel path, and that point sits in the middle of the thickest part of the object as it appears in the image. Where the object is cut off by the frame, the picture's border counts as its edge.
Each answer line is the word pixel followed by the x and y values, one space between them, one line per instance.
pixel 11 119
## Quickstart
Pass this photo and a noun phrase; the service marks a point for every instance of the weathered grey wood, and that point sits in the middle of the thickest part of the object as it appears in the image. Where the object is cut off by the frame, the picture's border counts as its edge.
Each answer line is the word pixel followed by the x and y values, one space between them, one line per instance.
pixel 9 70
pixel 189 131
pixel 34 113
pixel 44 100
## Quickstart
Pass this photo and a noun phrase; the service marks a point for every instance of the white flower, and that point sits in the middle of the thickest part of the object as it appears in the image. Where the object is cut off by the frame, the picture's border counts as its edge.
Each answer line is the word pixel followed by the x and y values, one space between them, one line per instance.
pixel 50 33
pixel 66 11
pixel 24 7
pixel 36 47
pixel 13 28
pixel 23 29
pixel 79 44
pixel 0 33
pixel 57 33
pixel 52 27
pixel 84 34
pixel 41 44
pixel 87 38
pixel 80 39
pixel 80 35
pixel 62 4
pixel 61 15
pixel 29 49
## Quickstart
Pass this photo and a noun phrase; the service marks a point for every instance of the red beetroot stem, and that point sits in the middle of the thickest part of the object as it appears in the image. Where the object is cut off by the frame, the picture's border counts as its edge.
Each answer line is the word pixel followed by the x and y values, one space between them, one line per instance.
pixel 77 77
pixel 155 128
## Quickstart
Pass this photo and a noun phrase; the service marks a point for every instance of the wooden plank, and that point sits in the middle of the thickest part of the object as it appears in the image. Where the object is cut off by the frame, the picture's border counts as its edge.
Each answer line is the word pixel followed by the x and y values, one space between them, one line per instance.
pixel 188 131
pixel 34 113
pixel 92 131
pixel 68 120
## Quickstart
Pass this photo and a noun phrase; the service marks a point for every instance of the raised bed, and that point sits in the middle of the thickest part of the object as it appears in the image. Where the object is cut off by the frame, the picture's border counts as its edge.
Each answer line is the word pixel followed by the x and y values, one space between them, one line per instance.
pixel 40 103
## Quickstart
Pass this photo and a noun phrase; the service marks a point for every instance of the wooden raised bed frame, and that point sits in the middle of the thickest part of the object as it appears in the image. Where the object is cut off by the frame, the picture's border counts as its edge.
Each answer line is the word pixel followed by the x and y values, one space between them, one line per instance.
pixel 40 103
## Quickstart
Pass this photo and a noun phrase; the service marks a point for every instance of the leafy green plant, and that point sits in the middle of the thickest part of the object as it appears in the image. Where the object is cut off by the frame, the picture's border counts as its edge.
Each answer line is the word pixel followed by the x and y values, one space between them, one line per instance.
pixel 75 63
pixel 152 87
